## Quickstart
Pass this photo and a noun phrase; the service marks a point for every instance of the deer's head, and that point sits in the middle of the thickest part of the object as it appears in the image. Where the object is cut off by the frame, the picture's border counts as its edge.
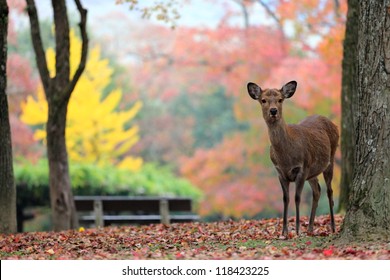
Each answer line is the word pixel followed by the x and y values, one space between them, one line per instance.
pixel 271 100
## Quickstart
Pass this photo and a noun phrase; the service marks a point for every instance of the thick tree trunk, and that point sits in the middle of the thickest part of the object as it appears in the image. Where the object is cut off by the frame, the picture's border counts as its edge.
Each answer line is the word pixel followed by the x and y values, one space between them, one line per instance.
pixel 7 184
pixel 368 214
pixel 349 89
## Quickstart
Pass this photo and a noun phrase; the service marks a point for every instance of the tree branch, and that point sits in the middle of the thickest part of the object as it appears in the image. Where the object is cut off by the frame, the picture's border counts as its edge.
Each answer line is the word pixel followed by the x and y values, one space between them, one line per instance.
pixel 277 19
pixel 337 8
pixel 38 46
pixel 244 12
pixel 270 12
pixel 84 48
pixel 61 25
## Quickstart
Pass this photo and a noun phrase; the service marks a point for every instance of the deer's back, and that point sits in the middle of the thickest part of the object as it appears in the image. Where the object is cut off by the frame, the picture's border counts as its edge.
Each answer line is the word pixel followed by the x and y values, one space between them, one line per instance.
pixel 311 148
pixel 321 125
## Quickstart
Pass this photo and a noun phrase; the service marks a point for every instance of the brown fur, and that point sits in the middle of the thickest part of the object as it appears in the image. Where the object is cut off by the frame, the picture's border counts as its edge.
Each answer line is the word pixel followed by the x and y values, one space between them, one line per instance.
pixel 299 152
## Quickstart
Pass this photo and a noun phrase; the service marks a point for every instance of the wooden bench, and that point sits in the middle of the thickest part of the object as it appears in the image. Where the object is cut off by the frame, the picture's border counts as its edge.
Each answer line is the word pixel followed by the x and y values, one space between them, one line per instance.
pixel 107 210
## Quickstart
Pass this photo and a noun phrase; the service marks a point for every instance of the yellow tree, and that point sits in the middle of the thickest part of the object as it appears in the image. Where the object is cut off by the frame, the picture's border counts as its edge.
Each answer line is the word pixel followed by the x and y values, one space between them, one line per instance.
pixel 96 131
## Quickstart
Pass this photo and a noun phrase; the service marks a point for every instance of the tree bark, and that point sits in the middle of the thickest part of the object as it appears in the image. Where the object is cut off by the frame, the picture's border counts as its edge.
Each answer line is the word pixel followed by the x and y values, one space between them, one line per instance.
pixel 368 213
pixel 58 91
pixel 349 89
pixel 61 196
pixel 7 183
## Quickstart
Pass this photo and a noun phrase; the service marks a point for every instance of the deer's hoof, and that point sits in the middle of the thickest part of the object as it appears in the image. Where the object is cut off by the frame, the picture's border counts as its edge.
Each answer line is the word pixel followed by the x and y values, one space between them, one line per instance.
pixel 283 237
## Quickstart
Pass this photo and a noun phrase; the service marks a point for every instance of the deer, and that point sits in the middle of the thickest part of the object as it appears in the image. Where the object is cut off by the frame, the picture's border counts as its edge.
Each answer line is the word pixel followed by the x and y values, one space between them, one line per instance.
pixel 300 152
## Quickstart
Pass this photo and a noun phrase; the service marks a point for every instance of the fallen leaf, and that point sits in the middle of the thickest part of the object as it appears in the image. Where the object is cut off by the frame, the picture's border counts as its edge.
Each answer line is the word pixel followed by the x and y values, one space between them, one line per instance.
pixel 327 252
pixel 50 251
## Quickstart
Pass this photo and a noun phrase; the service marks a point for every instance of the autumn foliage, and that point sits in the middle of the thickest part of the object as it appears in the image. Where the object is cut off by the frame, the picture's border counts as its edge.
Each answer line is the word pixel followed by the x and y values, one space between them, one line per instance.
pixel 196 116
pixel 235 173
pixel 96 131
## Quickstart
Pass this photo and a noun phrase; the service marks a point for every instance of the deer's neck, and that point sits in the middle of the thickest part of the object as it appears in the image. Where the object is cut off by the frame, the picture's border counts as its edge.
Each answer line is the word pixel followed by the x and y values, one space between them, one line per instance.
pixel 278 134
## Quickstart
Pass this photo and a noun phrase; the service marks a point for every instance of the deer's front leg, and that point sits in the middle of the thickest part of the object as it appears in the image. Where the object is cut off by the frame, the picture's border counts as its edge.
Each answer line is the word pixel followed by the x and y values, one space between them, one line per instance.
pixel 299 183
pixel 286 199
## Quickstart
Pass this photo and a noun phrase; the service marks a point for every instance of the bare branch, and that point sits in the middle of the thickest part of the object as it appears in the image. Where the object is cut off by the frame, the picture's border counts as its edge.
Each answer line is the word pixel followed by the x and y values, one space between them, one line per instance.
pixel 277 19
pixel 270 12
pixel 337 8
pixel 84 48
pixel 244 12
pixel 38 46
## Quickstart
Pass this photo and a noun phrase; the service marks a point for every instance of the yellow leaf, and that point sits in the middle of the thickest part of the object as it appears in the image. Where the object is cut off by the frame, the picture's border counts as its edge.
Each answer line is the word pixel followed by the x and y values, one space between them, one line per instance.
pixel 97 131
pixel 132 164
pixel 50 252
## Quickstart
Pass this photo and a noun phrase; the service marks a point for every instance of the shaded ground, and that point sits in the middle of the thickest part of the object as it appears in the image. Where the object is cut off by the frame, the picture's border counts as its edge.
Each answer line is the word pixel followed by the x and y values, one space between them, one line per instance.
pixel 246 239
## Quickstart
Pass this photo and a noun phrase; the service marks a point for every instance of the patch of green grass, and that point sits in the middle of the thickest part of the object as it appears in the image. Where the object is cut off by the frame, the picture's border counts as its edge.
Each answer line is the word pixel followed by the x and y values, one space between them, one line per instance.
pixel 258 243
pixel 303 242
pixel 214 244
pixel 10 254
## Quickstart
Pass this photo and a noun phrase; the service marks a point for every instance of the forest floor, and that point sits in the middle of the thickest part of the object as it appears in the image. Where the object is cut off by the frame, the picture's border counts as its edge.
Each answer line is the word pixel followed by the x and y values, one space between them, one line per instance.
pixel 245 239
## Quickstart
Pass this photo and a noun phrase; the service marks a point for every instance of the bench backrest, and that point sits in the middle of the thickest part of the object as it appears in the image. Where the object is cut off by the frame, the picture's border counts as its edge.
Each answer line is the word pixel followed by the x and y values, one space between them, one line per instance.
pixel 133 203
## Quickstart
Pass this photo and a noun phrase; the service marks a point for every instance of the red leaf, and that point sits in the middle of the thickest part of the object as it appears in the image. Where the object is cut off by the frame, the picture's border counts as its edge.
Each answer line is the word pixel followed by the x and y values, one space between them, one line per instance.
pixel 327 252
pixel 350 250
pixel 180 255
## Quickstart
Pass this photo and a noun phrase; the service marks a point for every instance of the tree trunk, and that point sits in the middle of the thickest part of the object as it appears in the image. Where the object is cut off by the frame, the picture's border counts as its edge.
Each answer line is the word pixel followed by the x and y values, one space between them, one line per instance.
pixel 58 91
pixel 349 89
pixel 368 213
pixel 7 184
pixel 61 197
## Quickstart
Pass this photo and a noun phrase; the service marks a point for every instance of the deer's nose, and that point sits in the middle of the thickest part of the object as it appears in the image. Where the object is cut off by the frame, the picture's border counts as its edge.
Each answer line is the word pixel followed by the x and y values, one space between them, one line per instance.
pixel 273 111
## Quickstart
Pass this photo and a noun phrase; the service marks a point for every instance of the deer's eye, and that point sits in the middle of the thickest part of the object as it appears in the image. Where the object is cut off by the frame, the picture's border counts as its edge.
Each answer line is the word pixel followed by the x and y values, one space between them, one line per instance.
pixel 280 100
pixel 263 101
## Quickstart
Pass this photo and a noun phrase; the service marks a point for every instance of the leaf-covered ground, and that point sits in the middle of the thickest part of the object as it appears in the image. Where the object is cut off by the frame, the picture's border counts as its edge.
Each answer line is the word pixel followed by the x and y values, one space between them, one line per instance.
pixel 246 239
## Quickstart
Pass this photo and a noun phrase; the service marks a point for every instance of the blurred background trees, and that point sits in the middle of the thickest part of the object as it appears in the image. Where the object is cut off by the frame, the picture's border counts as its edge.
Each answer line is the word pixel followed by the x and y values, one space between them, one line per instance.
pixel 196 121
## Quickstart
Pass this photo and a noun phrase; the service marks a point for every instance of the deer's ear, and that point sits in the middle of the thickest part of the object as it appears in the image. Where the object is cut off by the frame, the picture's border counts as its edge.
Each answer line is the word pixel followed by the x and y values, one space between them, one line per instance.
pixel 288 89
pixel 254 90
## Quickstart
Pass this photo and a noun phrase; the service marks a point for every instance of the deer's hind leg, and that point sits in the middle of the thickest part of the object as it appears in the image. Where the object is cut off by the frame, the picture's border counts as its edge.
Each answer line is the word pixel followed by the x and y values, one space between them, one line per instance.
pixel 315 186
pixel 328 176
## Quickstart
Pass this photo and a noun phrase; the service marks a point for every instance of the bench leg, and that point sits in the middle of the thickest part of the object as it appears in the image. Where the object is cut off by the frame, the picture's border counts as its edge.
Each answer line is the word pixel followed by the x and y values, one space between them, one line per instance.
pixel 98 209
pixel 164 212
